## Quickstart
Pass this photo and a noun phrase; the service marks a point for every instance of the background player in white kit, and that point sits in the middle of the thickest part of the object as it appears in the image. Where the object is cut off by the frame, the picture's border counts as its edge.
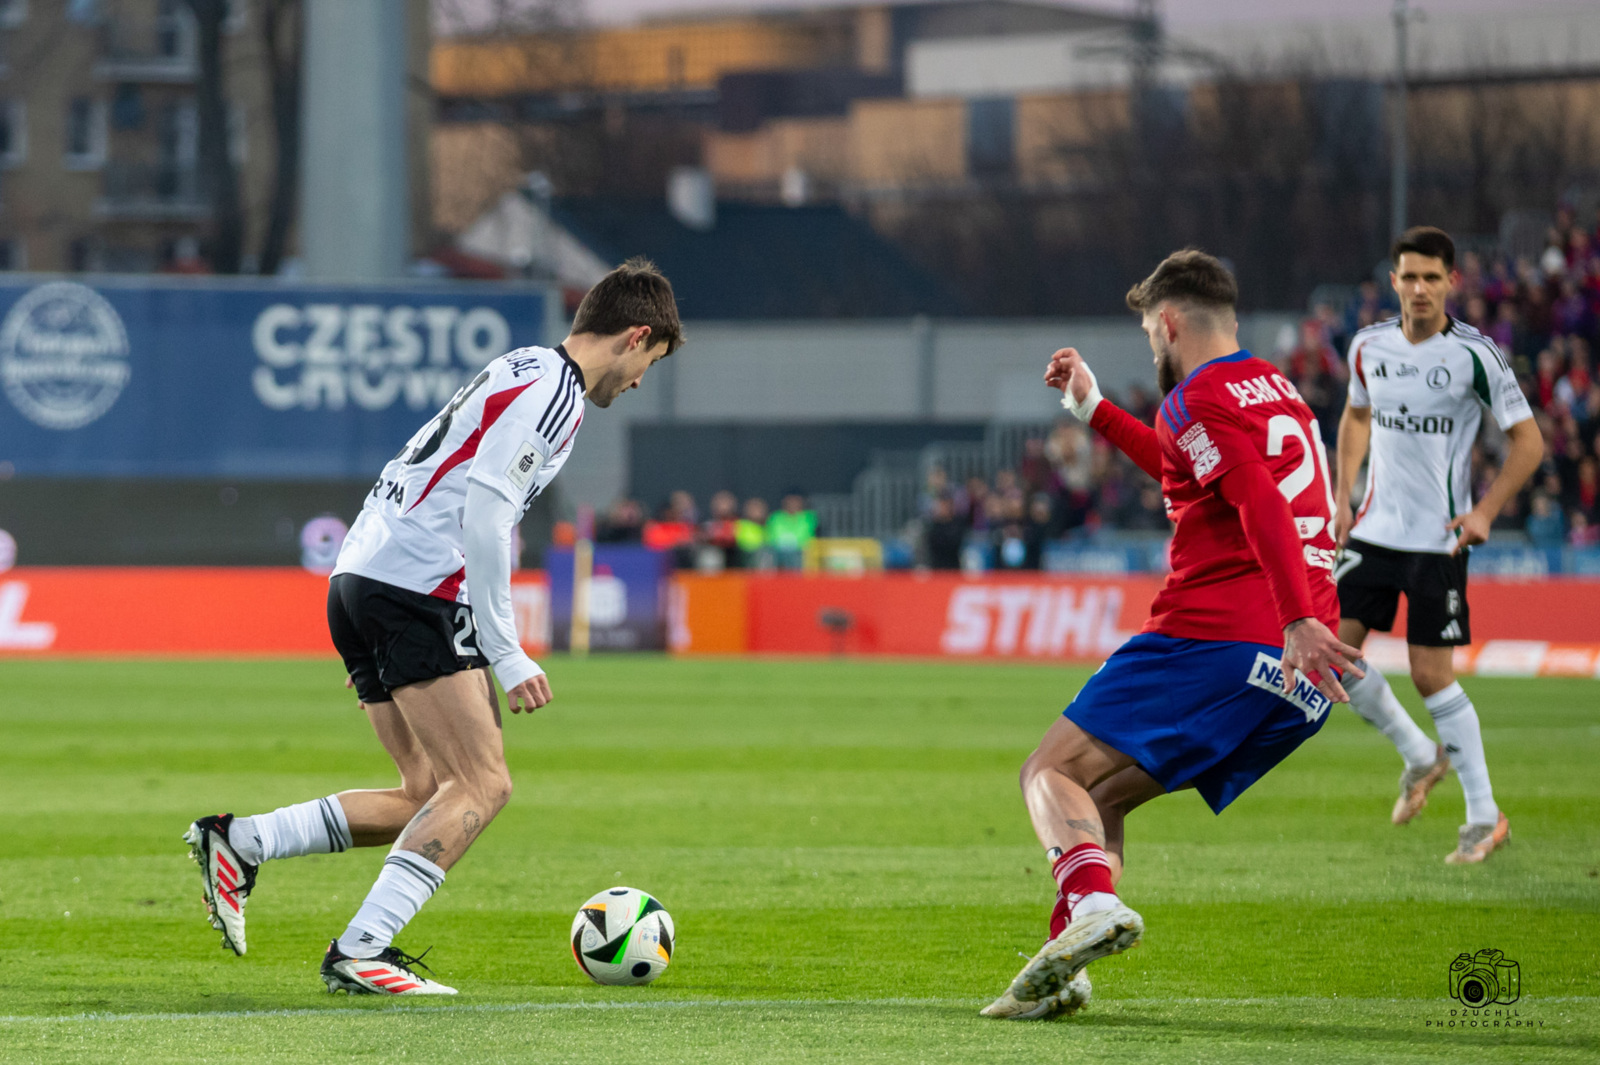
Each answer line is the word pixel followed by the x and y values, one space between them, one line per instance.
pixel 437 526
pixel 1418 386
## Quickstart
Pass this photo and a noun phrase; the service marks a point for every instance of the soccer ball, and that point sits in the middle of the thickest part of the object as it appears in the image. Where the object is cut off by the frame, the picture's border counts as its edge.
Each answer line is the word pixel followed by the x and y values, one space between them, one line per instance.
pixel 622 936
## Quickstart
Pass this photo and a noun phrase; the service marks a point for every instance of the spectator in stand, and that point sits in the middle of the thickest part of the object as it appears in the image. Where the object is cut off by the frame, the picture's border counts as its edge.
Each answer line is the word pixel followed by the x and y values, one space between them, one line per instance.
pixel 1476 314
pixel 1575 383
pixel 1584 532
pixel 1035 470
pixel 1553 260
pixel 1010 546
pixel 622 524
pixel 1586 495
pixel 790 530
pixel 720 532
pixel 1546 527
pixel 750 533
pixel 1367 308
pixel 976 504
pixel 1146 511
pixel 935 486
pixel 943 535
pixel 1038 531
pixel 1317 371
pixel 674 530
pixel 1141 404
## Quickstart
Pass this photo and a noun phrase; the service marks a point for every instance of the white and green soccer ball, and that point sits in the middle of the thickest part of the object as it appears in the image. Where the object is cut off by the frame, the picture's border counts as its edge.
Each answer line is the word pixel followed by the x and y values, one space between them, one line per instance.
pixel 622 936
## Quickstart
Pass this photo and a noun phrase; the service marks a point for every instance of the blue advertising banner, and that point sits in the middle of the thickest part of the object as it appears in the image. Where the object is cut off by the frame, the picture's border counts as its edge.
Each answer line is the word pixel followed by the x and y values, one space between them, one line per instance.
pixel 627 598
pixel 151 377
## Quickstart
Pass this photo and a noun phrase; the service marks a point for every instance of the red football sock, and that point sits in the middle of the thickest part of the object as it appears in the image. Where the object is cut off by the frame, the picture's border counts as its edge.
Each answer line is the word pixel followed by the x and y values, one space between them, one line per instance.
pixel 1081 871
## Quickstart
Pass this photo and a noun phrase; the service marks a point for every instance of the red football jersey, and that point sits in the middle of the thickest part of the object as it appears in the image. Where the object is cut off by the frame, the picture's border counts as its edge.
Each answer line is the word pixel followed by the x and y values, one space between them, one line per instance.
pixel 1230 411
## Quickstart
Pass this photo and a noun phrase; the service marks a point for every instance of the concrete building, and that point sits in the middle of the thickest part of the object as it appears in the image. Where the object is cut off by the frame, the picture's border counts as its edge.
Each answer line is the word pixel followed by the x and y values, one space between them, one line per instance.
pixel 99 132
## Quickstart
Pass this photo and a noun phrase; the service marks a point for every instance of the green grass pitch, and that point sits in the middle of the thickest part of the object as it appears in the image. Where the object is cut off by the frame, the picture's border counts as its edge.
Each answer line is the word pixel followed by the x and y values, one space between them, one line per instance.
pixel 844 851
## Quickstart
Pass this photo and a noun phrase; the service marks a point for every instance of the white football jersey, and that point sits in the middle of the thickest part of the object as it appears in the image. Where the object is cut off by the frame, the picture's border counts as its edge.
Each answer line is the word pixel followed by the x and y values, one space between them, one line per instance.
pixel 1427 403
pixel 509 429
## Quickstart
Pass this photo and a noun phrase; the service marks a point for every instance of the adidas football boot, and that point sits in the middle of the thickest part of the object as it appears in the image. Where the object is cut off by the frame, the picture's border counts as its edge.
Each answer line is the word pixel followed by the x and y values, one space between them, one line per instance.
pixel 1415 785
pixel 1477 842
pixel 228 878
pixel 391 973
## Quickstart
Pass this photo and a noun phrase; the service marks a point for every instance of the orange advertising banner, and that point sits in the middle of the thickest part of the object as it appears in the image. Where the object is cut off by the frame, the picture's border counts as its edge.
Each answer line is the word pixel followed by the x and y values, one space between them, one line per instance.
pixel 1520 628
pixel 191 611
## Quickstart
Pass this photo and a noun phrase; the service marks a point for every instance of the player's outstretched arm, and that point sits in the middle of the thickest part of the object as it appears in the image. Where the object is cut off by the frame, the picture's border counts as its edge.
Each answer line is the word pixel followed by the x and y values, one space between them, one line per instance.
pixel 1080 393
pixel 1527 451
pixel 486 525
pixel 1355 433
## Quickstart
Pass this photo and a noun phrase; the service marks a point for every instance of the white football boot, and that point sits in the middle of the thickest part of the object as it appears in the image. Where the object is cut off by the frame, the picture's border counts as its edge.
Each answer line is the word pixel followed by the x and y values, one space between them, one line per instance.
pixel 390 973
pixel 1089 938
pixel 1063 1003
pixel 228 878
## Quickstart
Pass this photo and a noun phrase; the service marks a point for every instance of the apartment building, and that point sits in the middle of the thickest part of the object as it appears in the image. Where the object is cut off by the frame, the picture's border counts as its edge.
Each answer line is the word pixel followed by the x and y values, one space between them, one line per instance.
pixel 100 137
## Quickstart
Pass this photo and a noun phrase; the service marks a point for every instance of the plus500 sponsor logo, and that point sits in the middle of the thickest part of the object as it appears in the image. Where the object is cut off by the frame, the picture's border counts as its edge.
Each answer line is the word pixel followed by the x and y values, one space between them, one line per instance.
pixel 1427 425
pixel 1013 619
pixel 327 356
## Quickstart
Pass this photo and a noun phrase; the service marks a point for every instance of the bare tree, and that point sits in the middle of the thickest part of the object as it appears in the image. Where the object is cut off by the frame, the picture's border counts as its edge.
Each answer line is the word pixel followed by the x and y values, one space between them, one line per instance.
pixel 281 22
pixel 223 245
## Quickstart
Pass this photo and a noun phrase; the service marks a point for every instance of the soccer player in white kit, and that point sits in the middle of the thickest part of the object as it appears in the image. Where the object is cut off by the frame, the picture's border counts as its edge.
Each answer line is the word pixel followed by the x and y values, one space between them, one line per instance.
pixel 419 606
pixel 1418 388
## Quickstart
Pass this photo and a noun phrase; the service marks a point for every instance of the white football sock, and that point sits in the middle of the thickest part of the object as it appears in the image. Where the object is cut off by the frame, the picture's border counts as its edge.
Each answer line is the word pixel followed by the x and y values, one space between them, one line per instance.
pixel 1457 721
pixel 406 882
pixel 315 827
pixel 1374 700
pixel 1094 902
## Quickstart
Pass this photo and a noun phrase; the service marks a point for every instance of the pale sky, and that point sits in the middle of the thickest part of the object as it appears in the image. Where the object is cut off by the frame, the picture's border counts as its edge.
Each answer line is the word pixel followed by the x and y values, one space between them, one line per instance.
pixel 1179 13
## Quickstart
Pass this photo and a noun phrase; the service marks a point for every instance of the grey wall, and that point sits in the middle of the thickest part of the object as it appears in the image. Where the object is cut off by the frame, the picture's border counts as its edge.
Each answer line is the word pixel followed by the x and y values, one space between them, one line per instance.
pixel 890 371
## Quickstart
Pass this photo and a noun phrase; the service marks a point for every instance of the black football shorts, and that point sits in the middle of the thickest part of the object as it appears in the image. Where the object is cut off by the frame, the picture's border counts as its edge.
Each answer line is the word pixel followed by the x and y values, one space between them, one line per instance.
pixel 390 637
pixel 1371 579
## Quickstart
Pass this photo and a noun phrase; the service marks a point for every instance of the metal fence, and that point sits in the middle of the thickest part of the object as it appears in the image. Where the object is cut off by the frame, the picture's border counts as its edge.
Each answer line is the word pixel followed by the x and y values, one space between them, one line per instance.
pixel 884 498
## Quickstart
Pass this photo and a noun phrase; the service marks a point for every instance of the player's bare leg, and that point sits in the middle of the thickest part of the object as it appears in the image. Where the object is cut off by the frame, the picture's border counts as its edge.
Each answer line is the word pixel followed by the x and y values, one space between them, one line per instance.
pixel 1375 702
pixel 1056 783
pixel 377 816
pixel 1487 829
pixel 230 850
pixel 1115 797
pixel 455 720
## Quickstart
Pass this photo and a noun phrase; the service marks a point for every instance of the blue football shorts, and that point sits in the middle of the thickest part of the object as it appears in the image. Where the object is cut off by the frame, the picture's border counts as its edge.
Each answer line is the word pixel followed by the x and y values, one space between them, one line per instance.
pixel 1208 713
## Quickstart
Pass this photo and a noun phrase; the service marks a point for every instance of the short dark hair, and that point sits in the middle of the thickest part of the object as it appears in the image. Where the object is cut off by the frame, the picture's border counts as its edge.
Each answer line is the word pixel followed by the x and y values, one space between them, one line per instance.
pixel 1189 276
pixel 1425 240
pixel 635 293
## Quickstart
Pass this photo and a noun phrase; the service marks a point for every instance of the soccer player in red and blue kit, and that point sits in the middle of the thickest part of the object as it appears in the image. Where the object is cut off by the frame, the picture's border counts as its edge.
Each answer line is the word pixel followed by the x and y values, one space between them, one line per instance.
pixel 1237 665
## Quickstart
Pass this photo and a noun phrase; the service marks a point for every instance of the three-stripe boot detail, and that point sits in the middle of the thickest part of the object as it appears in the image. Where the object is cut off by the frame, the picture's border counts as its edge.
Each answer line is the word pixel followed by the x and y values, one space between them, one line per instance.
pixel 392 972
pixel 228 878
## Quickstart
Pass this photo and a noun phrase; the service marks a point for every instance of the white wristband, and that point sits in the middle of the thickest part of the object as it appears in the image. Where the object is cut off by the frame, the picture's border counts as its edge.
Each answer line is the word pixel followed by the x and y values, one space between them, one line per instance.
pixel 1085 410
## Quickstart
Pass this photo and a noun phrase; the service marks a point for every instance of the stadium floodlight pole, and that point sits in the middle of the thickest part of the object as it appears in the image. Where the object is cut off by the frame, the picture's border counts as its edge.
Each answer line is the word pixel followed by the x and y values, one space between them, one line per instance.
pixel 582 580
pixel 1399 161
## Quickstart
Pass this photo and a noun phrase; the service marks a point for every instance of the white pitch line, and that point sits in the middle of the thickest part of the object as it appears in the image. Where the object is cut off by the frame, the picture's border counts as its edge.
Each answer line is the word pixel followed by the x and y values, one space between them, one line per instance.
pixel 743 1003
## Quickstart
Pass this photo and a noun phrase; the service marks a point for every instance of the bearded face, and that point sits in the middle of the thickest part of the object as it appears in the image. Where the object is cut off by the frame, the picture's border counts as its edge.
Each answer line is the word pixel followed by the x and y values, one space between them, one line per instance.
pixel 1169 371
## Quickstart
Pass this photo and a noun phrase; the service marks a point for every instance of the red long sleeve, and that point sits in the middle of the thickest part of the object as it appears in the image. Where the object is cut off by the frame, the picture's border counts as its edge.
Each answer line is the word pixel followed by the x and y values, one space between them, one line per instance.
pixel 1131 436
pixel 1269 527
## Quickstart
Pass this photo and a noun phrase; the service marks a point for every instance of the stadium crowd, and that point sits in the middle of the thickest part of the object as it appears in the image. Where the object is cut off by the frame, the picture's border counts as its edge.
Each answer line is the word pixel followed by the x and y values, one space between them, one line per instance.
pixel 752 536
